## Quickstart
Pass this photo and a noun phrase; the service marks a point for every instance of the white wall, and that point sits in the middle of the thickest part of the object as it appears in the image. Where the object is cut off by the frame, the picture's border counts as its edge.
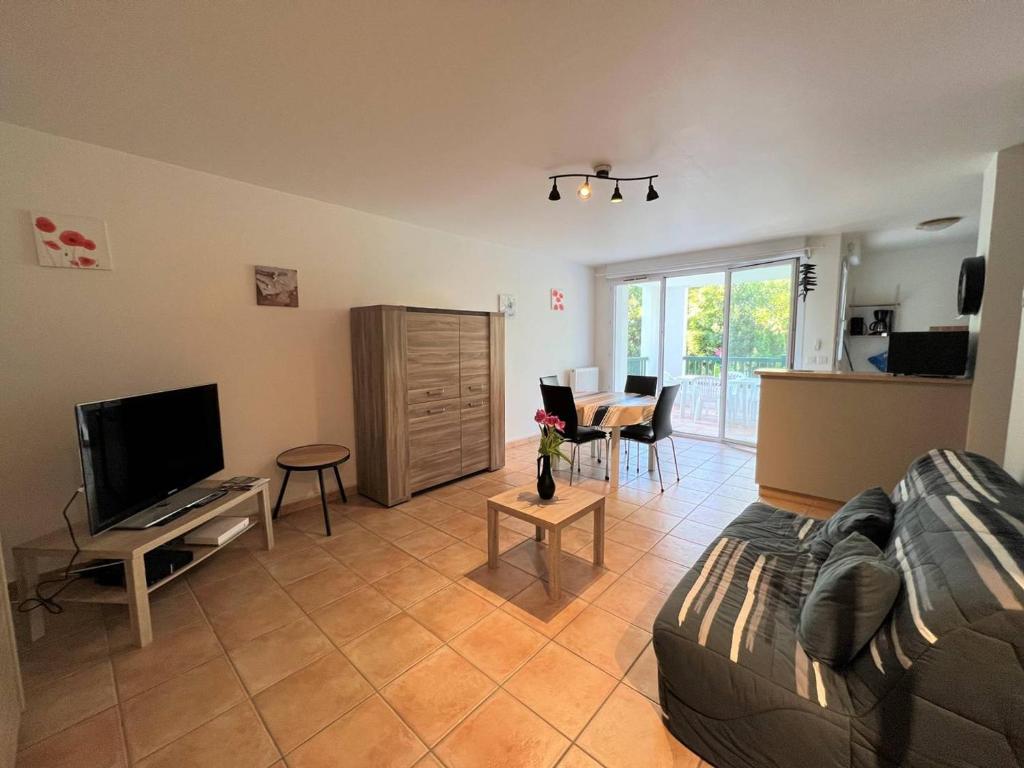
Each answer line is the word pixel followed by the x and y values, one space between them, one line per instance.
pixel 817 316
pixel 927 279
pixel 179 309
pixel 996 329
pixel 1014 461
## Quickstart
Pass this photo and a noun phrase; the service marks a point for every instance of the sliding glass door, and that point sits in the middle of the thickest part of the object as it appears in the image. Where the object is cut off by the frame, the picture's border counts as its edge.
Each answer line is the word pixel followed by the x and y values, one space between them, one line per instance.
pixel 760 324
pixel 708 332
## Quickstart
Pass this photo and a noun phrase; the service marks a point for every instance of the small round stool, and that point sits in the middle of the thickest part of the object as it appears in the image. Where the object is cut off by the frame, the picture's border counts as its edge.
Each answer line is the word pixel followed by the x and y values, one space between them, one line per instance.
pixel 309 458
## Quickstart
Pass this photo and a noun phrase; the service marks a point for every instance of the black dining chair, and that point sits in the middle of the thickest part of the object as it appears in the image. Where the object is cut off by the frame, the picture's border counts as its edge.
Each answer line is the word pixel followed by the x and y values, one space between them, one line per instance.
pixel 553 380
pixel 641 385
pixel 659 429
pixel 560 402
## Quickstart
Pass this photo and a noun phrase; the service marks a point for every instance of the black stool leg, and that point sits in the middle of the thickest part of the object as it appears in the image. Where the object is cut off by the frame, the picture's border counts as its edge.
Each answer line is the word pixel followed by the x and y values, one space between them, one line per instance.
pixel 280 495
pixel 323 500
pixel 337 476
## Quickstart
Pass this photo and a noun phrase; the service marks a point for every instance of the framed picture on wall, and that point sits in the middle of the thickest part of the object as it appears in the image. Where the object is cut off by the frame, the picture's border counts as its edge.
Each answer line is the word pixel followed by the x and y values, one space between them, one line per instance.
pixel 277 287
pixel 74 242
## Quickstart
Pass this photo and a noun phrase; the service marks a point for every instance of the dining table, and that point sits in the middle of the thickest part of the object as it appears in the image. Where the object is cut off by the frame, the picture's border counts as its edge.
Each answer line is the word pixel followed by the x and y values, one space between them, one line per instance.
pixel 613 411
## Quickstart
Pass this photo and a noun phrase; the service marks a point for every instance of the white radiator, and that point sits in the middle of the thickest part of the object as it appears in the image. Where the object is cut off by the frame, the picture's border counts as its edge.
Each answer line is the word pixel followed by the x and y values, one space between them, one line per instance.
pixel 583 380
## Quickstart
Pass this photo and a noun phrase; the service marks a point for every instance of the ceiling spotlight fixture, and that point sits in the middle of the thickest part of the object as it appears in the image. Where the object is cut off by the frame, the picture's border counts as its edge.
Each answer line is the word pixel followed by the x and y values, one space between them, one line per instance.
pixel 601 171
pixel 934 225
pixel 583 191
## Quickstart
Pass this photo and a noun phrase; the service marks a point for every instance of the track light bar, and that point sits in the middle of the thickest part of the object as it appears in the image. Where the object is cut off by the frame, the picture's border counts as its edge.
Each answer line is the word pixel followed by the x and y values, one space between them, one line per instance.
pixel 585 192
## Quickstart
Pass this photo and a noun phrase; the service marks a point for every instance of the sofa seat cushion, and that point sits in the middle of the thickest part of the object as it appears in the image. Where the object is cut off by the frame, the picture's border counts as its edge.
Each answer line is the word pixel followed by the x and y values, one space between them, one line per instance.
pixel 852 594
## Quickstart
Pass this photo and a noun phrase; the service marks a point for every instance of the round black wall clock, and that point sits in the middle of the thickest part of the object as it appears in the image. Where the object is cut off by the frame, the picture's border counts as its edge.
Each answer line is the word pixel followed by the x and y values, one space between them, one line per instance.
pixel 972 285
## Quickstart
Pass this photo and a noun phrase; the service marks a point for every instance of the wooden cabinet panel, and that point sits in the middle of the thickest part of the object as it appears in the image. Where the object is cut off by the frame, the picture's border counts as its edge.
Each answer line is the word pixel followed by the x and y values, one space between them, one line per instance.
pixel 435 443
pixel 476 434
pixel 432 356
pixel 475 386
pixel 474 346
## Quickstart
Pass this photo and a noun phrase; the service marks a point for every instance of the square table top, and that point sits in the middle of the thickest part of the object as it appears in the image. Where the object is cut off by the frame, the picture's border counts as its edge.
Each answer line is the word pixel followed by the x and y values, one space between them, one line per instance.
pixel 569 503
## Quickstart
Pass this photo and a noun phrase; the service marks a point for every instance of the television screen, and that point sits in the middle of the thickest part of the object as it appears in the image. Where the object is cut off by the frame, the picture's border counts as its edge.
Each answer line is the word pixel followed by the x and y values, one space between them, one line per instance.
pixel 928 353
pixel 137 451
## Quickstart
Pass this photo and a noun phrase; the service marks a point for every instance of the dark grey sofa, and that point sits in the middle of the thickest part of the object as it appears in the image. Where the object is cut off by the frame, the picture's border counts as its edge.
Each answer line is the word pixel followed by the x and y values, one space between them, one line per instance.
pixel 940 684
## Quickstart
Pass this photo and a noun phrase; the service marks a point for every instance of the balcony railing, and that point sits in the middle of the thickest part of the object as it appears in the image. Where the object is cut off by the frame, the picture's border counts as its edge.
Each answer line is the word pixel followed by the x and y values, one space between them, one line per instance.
pixel 636 366
pixel 711 365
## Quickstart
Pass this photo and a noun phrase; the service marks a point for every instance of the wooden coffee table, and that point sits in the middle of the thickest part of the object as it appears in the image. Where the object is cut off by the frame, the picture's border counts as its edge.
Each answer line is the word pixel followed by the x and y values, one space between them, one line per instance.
pixel 568 505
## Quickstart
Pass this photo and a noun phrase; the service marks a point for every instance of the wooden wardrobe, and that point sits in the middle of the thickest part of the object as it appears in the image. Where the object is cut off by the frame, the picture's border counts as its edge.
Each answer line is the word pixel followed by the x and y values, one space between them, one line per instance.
pixel 429 397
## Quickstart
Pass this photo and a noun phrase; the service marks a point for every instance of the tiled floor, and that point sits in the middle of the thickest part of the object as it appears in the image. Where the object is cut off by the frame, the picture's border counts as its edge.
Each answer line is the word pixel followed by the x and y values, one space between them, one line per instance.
pixel 391 643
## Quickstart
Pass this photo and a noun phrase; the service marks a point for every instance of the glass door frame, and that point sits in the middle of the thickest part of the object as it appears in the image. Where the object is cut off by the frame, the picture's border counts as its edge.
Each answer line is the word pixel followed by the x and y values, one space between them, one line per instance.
pixel 728 271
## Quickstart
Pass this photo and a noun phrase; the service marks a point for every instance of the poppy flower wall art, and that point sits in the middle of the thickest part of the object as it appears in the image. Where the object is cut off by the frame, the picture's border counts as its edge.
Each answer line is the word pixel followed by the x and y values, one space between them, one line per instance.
pixel 557 300
pixel 75 242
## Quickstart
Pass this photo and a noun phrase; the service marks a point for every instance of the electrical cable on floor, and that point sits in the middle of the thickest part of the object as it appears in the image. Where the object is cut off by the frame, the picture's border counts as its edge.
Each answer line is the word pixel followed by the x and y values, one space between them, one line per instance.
pixel 47 601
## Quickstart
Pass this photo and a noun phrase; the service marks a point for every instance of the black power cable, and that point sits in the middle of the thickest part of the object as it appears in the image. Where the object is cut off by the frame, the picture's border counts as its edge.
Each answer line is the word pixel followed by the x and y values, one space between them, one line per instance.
pixel 47 601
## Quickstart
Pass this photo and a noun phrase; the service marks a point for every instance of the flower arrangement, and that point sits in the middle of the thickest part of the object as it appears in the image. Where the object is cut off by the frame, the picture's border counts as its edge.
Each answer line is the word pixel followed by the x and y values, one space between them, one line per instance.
pixel 550 439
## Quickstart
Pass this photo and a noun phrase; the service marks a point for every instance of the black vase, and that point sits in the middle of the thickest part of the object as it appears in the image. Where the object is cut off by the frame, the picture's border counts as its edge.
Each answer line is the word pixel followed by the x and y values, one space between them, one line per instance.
pixel 545 482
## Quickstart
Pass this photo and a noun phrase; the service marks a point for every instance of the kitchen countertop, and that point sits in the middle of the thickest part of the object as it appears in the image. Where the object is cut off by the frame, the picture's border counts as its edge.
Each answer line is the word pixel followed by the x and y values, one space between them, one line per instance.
pixel 880 378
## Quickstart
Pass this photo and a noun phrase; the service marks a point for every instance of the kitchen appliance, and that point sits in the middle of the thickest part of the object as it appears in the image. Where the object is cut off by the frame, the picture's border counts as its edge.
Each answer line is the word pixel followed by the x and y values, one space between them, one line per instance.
pixel 883 322
pixel 856 326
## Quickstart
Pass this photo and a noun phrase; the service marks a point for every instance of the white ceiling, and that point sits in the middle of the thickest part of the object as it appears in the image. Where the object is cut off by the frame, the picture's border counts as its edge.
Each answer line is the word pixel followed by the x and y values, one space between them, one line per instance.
pixel 765 119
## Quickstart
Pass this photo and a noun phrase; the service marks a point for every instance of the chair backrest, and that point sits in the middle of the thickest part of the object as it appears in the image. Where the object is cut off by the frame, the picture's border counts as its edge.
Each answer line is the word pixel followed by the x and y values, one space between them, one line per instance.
pixel 560 402
pixel 549 380
pixel 641 385
pixel 708 385
pixel 661 422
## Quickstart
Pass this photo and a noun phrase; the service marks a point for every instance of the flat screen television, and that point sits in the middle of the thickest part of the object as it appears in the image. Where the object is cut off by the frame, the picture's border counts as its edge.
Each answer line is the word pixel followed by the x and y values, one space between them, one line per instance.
pixel 140 454
pixel 928 353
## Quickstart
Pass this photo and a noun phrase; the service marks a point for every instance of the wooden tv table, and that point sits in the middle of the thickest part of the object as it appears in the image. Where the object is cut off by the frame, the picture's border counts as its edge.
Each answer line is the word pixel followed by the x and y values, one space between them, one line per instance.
pixel 568 505
pixel 131 547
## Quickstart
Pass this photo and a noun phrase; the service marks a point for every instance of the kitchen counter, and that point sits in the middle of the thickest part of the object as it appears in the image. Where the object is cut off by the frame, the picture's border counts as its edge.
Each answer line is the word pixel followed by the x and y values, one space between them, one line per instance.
pixel 831 434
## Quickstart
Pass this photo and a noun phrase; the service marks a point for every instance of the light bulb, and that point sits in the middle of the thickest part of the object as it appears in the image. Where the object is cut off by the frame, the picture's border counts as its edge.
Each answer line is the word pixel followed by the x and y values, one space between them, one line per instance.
pixel 583 191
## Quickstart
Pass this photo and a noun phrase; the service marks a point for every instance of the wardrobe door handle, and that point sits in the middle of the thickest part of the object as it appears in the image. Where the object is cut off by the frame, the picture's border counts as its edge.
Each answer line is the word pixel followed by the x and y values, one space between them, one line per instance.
pixel 431 411
pixel 474 405
pixel 435 391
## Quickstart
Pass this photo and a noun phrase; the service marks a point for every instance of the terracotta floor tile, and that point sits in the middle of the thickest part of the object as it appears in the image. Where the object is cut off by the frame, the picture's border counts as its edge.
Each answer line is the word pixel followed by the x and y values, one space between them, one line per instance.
pixel 299 706
pixel 507 538
pixel 604 640
pixel 635 602
pixel 378 562
pixel 392 524
pixel 286 539
pixel 496 585
pixel 49 659
pixel 386 651
pixel 530 556
pixel 351 541
pixel 618 509
pixel 236 737
pixel 657 572
pixel 711 517
pixel 225 596
pixel 577 758
pixel 515 524
pixel 669 504
pixel 470 501
pixel 662 522
pixel 620 557
pixel 498 644
pixel 171 653
pixel 370 736
pixel 428 761
pixel 425 542
pixel 462 525
pixel 167 613
pixel 254 617
pixel 275 655
pixel 172 709
pixel 291 566
pixel 629 725
pixel 584 579
pixel 678 550
pixel 411 584
pixel 632 495
pixel 488 488
pixel 230 563
pixel 561 687
pixel 437 693
pixel 311 519
pixel 457 560
pixel 536 609
pixel 323 587
pixel 347 618
pixel 95 742
pixel 429 510
pixel 449 611
pixel 502 732
pixel 64 702
pixel 643 675
pixel 632 535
